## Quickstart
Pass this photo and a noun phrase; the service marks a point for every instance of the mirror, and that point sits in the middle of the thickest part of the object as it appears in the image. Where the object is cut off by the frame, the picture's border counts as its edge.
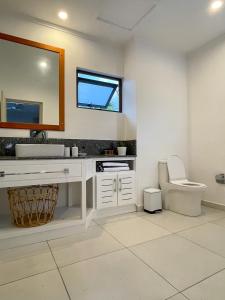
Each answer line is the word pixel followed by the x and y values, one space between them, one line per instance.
pixel 31 85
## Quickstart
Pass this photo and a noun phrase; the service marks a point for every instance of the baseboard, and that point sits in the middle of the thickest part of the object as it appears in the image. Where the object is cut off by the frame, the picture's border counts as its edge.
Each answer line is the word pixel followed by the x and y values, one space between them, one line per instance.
pixel 140 208
pixel 113 211
pixel 40 237
pixel 213 205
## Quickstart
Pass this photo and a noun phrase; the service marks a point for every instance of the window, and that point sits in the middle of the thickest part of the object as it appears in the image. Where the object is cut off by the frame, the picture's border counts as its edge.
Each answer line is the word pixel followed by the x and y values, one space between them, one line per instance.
pixel 21 111
pixel 96 91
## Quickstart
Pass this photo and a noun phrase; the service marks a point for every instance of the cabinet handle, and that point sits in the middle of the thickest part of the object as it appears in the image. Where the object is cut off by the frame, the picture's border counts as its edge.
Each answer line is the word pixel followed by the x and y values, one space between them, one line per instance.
pixel 3 174
pixel 120 184
pixel 114 182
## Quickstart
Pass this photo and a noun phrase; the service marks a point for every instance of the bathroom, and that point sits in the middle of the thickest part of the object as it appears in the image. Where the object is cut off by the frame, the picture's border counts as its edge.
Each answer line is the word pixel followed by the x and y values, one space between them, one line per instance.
pixel 168 58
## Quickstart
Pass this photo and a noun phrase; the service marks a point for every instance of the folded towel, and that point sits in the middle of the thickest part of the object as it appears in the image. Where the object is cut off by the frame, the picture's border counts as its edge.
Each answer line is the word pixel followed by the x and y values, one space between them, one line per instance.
pixel 114 164
pixel 116 169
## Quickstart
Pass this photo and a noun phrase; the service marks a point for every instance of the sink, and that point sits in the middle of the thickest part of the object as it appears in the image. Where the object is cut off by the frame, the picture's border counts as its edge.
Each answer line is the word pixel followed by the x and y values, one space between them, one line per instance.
pixel 39 150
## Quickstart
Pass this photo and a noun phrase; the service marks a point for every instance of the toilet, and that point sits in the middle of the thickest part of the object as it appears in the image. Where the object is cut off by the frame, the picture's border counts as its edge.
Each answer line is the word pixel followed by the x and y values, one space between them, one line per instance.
pixel 178 193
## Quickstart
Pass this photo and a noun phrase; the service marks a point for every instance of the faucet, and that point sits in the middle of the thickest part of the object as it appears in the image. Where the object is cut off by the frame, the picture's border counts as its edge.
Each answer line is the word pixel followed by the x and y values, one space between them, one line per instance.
pixel 39 134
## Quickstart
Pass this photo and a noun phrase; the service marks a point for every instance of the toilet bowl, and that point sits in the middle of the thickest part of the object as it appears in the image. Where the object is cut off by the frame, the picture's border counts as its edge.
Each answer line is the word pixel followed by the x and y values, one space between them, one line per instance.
pixel 178 193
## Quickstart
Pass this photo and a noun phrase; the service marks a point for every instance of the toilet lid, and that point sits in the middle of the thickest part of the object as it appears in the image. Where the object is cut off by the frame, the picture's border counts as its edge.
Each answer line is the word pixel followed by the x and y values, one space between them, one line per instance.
pixel 175 168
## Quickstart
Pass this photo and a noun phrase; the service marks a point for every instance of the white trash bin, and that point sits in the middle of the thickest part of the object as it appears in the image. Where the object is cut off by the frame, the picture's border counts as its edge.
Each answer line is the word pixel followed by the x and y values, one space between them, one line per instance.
pixel 152 200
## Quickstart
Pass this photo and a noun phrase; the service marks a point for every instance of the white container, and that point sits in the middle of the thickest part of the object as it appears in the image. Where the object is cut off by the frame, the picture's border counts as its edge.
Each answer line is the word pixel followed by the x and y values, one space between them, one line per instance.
pixel 75 151
pixel 152 200
pixel 122 151
pixel 67 151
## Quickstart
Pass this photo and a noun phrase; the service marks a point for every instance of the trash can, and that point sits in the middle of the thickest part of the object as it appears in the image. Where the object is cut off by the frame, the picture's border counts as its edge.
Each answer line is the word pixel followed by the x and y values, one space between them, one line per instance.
pixel 152 200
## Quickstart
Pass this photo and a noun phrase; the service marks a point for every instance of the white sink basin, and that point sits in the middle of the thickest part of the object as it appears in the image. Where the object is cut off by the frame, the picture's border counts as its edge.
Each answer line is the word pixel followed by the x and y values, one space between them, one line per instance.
pixel 39 150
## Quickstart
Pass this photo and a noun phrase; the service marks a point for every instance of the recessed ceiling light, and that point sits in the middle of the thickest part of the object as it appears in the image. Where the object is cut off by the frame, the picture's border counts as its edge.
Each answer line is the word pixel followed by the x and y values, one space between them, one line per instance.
pixel 215 5
pixel 62 15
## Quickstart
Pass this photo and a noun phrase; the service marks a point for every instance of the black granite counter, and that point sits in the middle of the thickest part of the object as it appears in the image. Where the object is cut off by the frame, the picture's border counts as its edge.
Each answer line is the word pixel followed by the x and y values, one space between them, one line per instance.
pixel 69 158
pixel 91 147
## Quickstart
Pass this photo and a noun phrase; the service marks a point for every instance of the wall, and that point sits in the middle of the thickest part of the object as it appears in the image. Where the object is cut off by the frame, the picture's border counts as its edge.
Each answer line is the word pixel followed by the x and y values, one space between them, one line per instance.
pixel 79 52
pixel 161 102
pixel 206 117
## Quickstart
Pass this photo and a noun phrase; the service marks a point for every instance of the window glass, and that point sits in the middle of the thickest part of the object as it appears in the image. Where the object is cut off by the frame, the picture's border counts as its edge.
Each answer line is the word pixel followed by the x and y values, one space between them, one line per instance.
pixel 98 92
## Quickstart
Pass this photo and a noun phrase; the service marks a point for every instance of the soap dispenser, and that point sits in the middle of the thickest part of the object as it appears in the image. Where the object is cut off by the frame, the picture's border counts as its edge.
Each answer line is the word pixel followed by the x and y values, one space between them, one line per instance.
pixel 75 151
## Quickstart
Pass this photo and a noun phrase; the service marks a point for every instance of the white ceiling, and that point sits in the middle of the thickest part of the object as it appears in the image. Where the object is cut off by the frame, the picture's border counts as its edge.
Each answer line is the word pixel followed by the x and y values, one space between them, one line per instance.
pixel 181 25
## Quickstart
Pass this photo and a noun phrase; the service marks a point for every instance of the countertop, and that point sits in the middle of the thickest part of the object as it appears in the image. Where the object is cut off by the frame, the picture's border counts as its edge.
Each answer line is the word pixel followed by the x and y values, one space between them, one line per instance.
pixel 57 157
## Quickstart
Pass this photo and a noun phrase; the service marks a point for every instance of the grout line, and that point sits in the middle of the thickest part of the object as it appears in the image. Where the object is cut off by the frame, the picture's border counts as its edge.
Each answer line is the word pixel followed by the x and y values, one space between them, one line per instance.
pixel 127 248
pixel 90 258
pixel 26 277
pixel 59 272
pixel 201 246
pixel 114 221
pixel 150 267
pixel 165 237
pixel 191 227
pixel 204 279
pixel 177 295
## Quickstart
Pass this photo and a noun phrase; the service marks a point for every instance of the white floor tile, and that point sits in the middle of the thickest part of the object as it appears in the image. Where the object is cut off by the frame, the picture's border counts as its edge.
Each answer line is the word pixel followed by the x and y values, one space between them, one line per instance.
pixel 116 276
pixel 121 217
pixel 25 261
pixel 212 288
pixel 46 286
pixel 95 241
pixel 134 231
pixel 220 222
pixel 209 235
pixel 178 297
pixel 180 261
pixel 174 222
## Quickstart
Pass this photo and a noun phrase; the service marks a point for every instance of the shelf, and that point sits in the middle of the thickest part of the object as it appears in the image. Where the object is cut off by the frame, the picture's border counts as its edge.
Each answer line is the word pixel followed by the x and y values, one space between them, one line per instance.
pixel 63 217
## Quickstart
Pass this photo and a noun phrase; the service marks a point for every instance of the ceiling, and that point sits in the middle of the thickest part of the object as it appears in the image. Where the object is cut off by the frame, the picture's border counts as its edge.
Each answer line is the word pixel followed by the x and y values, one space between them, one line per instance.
pixel 181 25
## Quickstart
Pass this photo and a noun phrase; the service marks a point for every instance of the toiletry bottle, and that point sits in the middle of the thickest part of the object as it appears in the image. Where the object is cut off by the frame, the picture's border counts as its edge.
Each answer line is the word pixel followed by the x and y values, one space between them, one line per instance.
pixel 67 151
pixel 75 151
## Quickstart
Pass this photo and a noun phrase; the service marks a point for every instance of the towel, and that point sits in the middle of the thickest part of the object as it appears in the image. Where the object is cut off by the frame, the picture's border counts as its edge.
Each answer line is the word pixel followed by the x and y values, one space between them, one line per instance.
pixel 114 164
pixel 116 169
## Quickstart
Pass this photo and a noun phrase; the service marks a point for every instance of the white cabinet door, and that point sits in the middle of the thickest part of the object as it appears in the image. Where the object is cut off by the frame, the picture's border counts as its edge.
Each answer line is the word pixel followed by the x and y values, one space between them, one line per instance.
pixel 106 190
pixel 126 188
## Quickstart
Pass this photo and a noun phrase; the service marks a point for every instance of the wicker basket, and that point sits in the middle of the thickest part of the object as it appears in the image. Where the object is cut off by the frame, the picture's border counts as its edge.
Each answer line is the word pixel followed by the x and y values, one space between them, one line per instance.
pixel 32 206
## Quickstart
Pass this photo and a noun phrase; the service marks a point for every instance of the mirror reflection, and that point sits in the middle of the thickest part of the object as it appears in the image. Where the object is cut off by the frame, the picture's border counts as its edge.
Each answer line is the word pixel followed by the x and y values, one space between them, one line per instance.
pixel 29 84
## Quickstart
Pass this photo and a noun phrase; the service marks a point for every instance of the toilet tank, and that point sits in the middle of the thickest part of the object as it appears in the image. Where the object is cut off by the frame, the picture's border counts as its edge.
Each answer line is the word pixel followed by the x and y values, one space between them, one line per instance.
pixel 163 172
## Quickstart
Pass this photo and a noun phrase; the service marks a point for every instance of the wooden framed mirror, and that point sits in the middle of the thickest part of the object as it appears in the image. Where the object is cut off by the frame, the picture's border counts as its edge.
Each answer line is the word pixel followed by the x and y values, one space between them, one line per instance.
pixel 31 84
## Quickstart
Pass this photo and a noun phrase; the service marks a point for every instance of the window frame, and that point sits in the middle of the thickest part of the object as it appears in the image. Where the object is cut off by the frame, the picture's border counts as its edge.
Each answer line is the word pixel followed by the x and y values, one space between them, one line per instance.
pixel 100 83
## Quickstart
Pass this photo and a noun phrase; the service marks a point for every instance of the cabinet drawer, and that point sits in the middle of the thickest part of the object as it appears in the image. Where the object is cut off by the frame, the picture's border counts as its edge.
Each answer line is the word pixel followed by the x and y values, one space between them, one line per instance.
pixel 43 170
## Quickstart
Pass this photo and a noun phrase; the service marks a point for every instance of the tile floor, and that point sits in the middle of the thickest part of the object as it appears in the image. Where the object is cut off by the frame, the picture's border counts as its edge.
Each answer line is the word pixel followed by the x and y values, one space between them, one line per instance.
pixel 135 256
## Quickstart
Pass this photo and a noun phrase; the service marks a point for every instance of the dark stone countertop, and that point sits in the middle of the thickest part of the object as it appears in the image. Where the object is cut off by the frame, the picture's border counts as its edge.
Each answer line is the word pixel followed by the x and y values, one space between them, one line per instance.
pixel 56 157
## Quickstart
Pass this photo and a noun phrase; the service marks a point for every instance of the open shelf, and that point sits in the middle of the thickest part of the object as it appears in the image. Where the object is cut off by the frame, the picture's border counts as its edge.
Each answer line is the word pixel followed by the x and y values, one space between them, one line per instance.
pixel 63 217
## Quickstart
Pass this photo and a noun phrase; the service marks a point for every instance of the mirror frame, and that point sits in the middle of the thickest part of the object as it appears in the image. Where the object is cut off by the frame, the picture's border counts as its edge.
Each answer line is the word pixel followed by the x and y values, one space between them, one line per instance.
pixel 61 53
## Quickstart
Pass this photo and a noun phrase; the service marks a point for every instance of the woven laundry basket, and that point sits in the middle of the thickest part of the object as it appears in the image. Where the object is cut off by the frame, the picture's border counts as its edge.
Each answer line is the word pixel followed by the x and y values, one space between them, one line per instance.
pixel 33 205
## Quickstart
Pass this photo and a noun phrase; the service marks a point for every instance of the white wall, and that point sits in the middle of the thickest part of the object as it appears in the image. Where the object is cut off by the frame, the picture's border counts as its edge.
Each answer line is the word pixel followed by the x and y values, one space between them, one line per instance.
pixel 207 117
pixel 79 52
pixel 161 101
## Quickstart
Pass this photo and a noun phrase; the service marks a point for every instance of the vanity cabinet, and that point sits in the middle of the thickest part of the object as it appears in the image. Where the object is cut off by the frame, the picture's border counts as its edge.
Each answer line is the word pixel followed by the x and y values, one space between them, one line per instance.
pixel 115 189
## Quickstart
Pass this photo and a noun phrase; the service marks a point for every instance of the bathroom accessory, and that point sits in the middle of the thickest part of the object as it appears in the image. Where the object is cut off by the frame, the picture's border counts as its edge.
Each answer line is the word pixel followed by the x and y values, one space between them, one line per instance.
pixel 32 206
pixel 67 151
pixel 220 178
pixel 109 152
pixel 75 151
pixel 152 200
pixel 122 151
pixel 178 193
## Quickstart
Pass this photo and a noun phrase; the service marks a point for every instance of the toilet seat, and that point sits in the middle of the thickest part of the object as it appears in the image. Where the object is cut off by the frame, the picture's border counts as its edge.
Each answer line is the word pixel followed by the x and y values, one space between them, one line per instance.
pixel 187 183
pixel 177 174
